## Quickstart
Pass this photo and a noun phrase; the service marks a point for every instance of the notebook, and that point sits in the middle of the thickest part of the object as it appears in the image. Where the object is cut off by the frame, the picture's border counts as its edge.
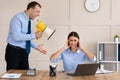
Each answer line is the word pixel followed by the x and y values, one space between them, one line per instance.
pixel 84 69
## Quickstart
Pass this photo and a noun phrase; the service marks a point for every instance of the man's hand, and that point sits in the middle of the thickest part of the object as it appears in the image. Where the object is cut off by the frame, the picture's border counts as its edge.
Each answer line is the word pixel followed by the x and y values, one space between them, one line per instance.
pixel 38 35
pixel 40 48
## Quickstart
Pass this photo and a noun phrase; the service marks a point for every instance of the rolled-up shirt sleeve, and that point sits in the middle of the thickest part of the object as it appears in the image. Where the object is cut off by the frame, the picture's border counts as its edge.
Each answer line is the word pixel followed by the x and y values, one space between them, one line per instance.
pixel 93 60
pixel 57 59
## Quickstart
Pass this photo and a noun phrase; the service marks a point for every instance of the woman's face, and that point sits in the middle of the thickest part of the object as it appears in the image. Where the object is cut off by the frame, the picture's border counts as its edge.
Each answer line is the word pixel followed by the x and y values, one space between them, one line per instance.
pixel 73 42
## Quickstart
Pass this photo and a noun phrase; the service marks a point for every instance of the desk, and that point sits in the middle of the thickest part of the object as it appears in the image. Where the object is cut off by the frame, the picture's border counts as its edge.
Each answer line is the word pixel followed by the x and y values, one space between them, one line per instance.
pixel 44 75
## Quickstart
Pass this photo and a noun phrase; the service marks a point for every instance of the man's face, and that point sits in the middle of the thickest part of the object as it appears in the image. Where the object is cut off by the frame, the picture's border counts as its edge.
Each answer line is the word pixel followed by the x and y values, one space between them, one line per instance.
pixel 34 12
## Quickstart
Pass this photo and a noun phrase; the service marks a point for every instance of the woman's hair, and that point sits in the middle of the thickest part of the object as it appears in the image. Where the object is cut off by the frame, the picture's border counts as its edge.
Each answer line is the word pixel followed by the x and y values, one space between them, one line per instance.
pixel 73 33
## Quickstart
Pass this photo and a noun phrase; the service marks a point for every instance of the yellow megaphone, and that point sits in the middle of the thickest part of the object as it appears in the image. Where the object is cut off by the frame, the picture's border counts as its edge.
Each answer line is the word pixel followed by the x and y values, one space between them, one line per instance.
pixel 41 27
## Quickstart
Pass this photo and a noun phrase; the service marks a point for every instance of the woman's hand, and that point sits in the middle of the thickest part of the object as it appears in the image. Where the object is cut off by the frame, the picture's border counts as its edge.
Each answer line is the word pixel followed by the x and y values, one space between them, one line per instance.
pixel 88 54
pixel 79 45
pixel 66 45
pixel 56 54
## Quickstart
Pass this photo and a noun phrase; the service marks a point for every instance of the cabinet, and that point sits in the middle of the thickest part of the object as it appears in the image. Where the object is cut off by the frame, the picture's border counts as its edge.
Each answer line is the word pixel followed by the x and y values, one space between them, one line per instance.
pixel 108 55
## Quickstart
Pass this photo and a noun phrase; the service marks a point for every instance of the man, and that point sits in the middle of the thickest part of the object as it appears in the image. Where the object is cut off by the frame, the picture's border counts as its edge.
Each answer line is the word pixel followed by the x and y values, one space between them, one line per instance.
pixel 20 36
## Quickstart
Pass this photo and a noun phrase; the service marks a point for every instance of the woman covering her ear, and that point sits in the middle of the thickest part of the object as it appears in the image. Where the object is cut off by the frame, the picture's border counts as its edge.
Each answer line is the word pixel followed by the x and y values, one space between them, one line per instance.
pixel 72 53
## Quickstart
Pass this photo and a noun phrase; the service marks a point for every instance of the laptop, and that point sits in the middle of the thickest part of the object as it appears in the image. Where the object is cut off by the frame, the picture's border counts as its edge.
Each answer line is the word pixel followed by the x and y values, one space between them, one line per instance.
pixel 84 69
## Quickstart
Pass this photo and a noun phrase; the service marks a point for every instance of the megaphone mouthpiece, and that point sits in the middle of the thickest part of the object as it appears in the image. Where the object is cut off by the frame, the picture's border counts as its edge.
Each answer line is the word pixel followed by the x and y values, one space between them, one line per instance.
pixel 37 20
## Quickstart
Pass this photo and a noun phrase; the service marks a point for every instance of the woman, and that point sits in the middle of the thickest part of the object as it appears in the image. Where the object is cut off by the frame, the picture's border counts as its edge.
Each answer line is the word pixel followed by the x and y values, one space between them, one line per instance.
pixel 72 53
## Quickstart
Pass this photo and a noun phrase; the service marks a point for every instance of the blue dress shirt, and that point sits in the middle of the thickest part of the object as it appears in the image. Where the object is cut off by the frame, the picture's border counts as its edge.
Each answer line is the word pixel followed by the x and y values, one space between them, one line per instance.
pixel 17 33
pixel 71 60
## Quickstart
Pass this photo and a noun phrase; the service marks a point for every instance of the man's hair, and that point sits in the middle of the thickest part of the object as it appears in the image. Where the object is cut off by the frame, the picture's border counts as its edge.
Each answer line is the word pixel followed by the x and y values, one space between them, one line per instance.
pixel 32 5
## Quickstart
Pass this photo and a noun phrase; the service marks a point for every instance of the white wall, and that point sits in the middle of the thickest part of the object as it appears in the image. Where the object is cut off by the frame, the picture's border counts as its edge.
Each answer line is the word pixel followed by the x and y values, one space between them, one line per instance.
pixel 64 16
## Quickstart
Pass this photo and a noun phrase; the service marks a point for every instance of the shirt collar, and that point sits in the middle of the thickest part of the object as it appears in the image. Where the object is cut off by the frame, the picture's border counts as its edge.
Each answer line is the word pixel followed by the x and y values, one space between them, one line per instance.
pixel 78 51
pixel 26 17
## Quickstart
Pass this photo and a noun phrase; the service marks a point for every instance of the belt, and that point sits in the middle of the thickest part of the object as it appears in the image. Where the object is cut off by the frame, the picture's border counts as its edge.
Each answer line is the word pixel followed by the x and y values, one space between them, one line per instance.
pixel 16 47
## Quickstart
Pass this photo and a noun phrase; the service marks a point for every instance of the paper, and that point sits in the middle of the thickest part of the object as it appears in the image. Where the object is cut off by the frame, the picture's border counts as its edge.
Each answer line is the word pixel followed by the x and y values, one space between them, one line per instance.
pixel 11 75
pixel 100 71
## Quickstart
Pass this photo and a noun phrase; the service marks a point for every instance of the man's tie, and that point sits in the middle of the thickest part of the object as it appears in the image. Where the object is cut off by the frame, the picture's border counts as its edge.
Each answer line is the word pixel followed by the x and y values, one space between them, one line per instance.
pixel 28 43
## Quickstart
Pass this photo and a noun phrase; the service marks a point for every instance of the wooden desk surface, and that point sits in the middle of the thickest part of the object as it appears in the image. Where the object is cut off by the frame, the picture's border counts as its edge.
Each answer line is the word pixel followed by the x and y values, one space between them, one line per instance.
pixel 44 75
